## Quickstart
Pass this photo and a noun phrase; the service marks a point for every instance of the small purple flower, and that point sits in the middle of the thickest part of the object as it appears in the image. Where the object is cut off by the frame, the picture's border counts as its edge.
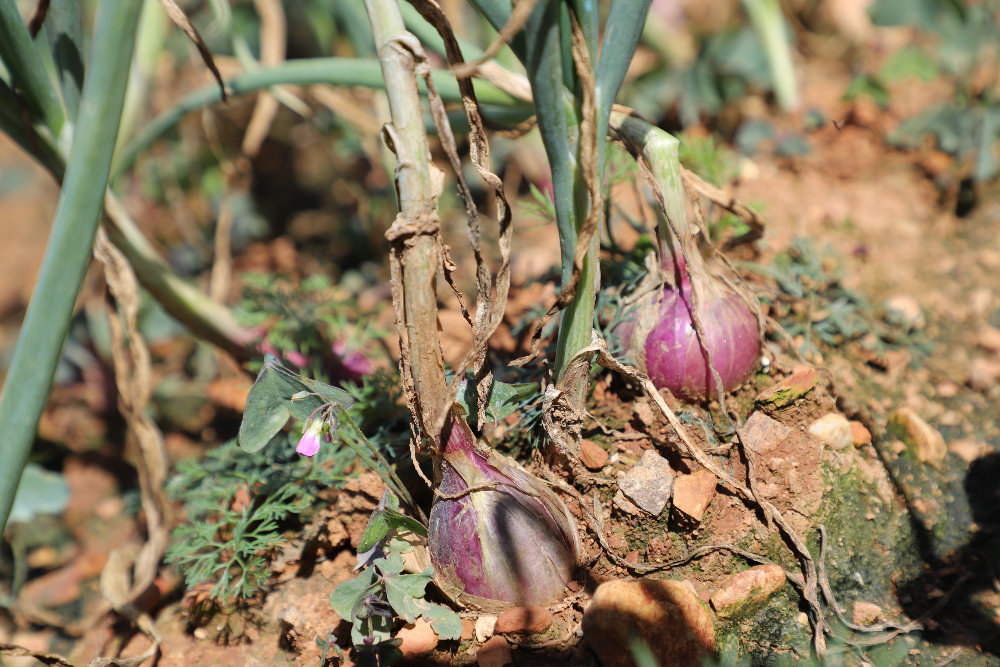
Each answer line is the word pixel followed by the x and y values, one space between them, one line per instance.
pixel 309 444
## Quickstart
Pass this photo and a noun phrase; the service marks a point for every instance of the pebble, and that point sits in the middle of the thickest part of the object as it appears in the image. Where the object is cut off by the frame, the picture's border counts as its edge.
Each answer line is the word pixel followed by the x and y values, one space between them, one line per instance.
pixel 789 389
pixel 593 455
pixel 649 483
pixel 670 618
pixel 922 439
pixel 693 494
pixel 747 589
pixel 494 653
pixel 967 449
pixel 530 620
pixel 833 430
pixel 983 374
pixel 761 433
pixel 644 413
pixel 989 338
pixel 418 638
pixel 866 613
pixel 468 629
pixel 907 311
pixel 860 435
pixel 485 626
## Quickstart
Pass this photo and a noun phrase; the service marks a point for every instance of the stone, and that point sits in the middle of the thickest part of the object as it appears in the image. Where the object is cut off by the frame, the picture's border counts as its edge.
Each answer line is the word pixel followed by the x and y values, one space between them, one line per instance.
pixel 674 623
pixel 693 494
pixel 418 639
pixel 906 310
pixel 593 455
pixel 747 589
pixel 786 391
pixel 530 620
pixel 833 430
pixel 968 449
pixel 983 374
pixel 468 629
pixel 485 626
pixel 761 433
pixel 866 613
pixel 988 338
pixel 624 504
pixel 860 435
pixel 642 410
pixel 921 439
pixel 649 483
pixel 494 653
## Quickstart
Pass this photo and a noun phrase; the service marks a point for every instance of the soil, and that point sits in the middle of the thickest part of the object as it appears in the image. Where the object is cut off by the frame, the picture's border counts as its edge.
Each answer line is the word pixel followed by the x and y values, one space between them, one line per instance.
pixel 903 534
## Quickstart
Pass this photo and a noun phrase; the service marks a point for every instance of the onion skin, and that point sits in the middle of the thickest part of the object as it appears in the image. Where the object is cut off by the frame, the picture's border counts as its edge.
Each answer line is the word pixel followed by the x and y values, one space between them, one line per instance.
pixel 661 340
pixel 516 545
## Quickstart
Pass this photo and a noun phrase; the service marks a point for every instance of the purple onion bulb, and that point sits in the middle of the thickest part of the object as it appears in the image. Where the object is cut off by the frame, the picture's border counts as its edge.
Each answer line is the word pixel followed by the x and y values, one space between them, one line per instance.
pixel 513 544
pixel 660 339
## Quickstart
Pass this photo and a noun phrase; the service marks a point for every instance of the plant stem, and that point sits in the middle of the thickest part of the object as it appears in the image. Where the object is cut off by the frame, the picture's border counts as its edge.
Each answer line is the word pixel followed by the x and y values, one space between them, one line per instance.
pixel 335 71
pixel 415 240
pixel 768 21
pixel 45 324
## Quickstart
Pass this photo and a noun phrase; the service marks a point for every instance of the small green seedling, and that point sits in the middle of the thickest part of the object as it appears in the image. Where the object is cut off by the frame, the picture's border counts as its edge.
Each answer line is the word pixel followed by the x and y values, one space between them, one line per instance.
pixel 382 591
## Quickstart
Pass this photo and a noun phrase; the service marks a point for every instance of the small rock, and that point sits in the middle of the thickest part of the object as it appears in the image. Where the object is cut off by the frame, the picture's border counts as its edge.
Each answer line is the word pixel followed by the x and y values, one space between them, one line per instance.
pixel 746 589
pixel 983 374
pixel 789 389
pixel 419 639
pixel 693 493
pixel 494 653
pixel 529 620
pixel 644 413
pixel 649 483
pixel 468 629
pixel 860 435
pixel 649 607
pixel 485 626
pixel 906 311
pixel 833 430
pixel 761 433
pixel 968 450
pixel 897 447
pixel 989 338
pixel 593 455
pixel 632 557
pixel 920 438
pixel 946 389
pixel 624 504
pixel 866 613
pixel 988 258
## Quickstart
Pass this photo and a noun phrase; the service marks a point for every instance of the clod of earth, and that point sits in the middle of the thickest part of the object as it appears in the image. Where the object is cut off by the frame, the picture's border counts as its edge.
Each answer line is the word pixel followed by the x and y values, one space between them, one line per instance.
pixel 593 455
pixel 860 435
pixel 648 607
pixel 789 389
pixel 494 653
pixel 530 620
pixel 866 613
pixel 833 430
pixel 649 483
pixel 693 494
pixel 418 640
pixel 921 439
pixel 748 589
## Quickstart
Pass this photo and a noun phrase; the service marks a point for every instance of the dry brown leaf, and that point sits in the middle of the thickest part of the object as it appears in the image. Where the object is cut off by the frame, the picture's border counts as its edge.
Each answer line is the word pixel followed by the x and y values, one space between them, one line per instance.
pixel 181 20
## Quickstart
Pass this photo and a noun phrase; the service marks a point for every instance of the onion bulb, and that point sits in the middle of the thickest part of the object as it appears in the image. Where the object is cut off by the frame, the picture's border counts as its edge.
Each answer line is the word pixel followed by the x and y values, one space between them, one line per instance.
pixel 660 339
pixel 513 542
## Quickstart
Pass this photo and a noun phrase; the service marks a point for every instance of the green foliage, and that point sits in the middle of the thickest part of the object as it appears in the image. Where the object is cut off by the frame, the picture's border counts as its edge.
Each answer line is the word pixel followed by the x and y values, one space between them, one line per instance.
pixel 707 157
pixel 503 400
pixel 539 206
pixel 279 394
pixel 237 504
pixel 304 318
pixel 966 37
pixel 382 592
